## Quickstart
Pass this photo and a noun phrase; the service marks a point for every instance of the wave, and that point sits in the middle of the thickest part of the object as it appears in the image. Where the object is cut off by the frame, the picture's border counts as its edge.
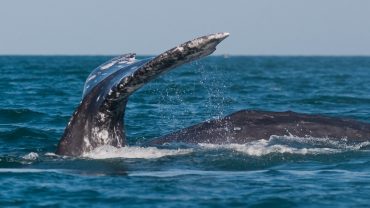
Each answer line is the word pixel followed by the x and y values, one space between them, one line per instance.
pixel 29 170
pixel 292 145
pixel 20 132
pixel 213 173
pixel 275 144
pixel 323 99
pixel 21 115
pixel 180 172
pixel 105 152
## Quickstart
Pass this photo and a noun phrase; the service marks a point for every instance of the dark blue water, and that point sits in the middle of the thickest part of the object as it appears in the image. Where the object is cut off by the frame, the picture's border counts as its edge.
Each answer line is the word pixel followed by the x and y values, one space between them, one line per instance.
pixel 38 95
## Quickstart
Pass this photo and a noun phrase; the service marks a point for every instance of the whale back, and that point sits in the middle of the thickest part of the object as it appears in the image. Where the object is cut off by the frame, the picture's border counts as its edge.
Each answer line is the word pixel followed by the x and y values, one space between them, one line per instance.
pixel 98 120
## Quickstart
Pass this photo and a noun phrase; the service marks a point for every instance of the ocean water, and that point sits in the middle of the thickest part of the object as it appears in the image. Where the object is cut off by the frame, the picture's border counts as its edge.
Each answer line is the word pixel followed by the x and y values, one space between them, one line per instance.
pixel 39 93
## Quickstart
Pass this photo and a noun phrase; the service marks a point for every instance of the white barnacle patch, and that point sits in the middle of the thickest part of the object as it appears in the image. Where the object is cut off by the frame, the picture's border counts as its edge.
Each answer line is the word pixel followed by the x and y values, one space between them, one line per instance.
pixel 104 135
pixel 117 95
pixel 196 42
pixel 101 117
pixel 179 48
pixel 237 128
pixel 119 144
pixel 220 35
pixel 87 142
pixel 101 136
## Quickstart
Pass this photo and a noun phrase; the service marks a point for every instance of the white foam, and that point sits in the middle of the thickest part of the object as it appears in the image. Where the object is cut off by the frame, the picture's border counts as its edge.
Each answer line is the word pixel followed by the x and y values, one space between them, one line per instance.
pixel 175 173
pixel 51 154
pixel 28 170
pixel 290 144
pixel 105 152
pixel 31 156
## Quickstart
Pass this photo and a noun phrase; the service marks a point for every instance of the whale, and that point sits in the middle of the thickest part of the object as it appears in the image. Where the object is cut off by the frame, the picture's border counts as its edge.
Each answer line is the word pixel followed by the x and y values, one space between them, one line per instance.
pixel 250 125
pixel 99 118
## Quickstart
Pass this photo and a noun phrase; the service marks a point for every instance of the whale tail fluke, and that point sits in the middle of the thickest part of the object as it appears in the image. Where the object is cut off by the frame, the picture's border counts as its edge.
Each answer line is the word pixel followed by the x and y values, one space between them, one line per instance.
pixel 184 53
pixel 98 120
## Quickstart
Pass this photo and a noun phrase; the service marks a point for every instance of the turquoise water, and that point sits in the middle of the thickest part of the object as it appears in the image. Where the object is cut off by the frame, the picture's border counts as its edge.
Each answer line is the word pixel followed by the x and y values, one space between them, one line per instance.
pixel 39 93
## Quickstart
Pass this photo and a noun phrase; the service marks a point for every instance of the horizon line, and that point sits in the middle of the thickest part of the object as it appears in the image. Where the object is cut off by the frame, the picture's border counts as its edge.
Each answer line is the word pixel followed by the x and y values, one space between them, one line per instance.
pixel 224 55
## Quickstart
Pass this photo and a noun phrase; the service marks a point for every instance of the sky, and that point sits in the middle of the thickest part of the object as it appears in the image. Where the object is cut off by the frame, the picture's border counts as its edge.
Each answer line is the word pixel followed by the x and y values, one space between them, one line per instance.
pixel 148 27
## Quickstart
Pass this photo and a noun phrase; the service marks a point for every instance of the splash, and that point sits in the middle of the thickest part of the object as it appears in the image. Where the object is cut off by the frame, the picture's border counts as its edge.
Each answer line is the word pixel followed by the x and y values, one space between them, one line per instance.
pixel 291 144
pixel 275 144
pixel 105 152
pixel 31 156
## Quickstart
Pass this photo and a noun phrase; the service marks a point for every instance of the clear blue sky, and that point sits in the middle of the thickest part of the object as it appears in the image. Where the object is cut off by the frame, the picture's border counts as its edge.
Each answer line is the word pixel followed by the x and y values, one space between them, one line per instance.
pixel 257 27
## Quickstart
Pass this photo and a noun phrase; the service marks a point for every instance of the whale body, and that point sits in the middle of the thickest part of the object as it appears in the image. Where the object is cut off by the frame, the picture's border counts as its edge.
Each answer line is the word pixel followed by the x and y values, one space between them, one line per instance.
pixel 98 120
pixel 249 125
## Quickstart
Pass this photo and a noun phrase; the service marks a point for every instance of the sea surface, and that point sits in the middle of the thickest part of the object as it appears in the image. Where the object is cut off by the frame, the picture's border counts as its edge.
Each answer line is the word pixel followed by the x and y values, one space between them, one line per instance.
pixel 39 94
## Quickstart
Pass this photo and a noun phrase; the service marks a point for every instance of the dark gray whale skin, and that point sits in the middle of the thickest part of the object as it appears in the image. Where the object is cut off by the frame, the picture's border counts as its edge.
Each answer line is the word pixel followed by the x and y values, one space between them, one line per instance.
pixel 249 125
pixel 98 120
